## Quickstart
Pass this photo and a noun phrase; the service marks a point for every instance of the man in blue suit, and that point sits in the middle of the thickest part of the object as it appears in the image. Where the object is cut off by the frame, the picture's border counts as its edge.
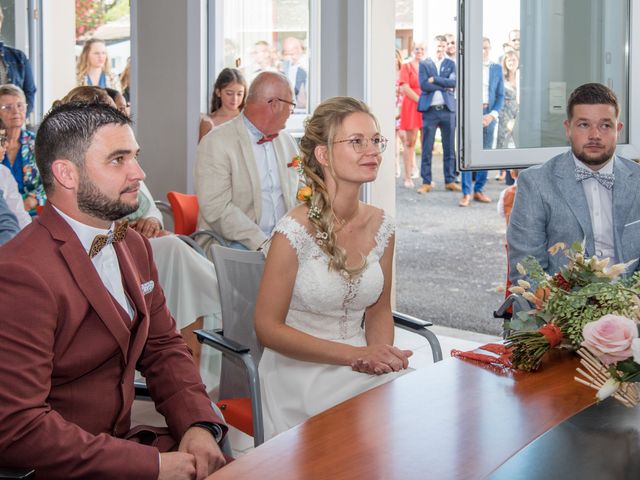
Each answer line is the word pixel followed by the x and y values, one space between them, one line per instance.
pixel 492 102
pixel 588 194
pixel 437 103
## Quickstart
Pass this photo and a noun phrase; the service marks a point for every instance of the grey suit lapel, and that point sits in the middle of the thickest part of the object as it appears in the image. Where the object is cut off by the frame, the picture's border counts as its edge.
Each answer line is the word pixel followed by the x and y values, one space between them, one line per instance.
pixel 246 147
pixel 624 197
pixel 573 194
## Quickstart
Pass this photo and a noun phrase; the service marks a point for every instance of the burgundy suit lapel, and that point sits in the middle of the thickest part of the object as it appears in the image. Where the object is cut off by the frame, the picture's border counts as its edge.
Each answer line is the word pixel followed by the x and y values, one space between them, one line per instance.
pixel 97 295
pixel 132 285
pixel 85 275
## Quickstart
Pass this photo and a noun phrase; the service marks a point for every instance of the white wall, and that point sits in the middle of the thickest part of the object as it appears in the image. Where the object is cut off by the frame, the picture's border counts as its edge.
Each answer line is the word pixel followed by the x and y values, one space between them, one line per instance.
pixel 58 56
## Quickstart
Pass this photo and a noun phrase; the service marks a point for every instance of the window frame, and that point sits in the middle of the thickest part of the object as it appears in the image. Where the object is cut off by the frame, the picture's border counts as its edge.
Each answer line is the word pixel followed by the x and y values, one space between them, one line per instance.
pixel 471 155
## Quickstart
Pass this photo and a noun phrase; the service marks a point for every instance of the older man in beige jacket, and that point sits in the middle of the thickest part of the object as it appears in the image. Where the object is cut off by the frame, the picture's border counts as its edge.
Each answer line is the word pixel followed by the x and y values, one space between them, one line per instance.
pixel 243 181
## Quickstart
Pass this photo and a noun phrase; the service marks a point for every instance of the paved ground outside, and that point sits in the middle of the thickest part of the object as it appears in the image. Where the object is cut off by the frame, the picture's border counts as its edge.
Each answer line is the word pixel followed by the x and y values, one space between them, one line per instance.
pixel 450 260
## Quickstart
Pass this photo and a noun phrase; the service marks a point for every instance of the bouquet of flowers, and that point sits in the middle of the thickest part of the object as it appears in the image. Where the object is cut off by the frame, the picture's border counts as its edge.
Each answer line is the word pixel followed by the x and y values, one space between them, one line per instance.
pixel 610 356
pixel 583 291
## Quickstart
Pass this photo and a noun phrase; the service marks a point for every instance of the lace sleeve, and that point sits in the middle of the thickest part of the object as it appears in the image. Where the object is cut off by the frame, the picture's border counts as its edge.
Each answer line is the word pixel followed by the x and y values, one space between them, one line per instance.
pixel 386 230
pixel 296 234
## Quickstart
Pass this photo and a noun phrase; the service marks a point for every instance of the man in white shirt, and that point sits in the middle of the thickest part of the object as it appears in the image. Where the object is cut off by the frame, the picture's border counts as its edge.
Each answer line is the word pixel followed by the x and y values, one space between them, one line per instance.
pixel 243 179
pixel 81 310
pixel 588 194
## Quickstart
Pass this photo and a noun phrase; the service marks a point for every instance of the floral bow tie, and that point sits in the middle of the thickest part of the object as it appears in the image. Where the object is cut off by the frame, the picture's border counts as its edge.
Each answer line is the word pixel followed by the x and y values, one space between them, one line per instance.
pixel 102 241
pixel 267 138
pixel 605 179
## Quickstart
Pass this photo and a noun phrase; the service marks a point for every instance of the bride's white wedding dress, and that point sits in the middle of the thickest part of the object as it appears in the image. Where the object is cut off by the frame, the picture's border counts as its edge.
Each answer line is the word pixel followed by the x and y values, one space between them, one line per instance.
pixel 327 305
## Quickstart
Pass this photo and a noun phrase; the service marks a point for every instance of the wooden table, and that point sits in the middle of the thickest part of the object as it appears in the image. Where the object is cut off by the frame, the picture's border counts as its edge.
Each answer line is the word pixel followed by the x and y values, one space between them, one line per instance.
pixel 456 419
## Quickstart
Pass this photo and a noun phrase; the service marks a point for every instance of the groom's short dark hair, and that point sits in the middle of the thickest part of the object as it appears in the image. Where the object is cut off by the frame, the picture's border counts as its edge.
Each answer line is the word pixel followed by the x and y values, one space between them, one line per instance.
pixel 592 94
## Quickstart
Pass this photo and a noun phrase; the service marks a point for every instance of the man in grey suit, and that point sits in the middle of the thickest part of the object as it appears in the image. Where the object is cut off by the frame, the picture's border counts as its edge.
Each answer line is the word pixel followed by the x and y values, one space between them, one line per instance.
pixel 588 194
pixel 243 181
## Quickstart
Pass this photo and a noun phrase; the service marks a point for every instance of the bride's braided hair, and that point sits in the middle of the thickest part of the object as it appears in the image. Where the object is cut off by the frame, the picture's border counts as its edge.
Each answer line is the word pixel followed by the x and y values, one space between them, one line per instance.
pixel 320 129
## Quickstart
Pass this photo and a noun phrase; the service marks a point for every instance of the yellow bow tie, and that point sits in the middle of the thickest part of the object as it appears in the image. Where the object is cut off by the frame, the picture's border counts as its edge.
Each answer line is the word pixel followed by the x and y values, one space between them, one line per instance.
pixel 102 241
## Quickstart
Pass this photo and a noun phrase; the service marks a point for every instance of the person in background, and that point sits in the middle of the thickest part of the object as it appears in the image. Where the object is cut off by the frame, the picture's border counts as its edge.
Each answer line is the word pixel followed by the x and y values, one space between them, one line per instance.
pixel 119 100
pixel 15 68
pixel 12 196
pixel 509 112
pixel 399 97
pixel 438 106
pixel 125 80
pixel 8 222
pixel 410 117
pixel 292 67
pixel 245 175
pixel 323 311
pixel 93 67
pixel 492 102
pixel 451 49
pixel 19 154
pixel 227 100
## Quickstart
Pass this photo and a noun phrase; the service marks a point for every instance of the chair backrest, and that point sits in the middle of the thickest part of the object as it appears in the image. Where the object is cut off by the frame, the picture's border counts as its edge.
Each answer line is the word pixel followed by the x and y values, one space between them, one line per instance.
pixel 185 212
pixel 239 273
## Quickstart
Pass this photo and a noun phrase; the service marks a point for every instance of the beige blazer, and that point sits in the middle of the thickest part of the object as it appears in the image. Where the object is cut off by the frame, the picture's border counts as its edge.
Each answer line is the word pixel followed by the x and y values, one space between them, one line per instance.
pixel 228 184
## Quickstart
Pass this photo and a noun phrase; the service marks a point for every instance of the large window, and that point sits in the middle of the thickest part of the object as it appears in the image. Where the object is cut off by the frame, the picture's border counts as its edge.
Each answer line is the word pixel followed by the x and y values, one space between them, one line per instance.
pixel 547 48
pixel 265 35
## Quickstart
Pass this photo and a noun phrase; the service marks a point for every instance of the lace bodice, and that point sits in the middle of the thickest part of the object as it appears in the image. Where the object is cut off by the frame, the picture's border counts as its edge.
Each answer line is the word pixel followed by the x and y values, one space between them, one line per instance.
pixel 326 303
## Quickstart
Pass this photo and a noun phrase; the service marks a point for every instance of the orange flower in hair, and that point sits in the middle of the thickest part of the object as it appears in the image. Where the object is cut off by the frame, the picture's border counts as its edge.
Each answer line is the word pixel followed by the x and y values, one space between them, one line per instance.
pixel 304 193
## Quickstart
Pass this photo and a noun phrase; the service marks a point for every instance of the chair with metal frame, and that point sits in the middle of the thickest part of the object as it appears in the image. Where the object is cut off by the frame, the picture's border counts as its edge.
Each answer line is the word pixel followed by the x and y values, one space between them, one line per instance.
pixel 239 275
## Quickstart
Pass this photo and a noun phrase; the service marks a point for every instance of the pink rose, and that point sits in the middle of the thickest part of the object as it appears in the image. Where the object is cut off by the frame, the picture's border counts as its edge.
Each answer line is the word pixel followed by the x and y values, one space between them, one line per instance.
pixel 610 338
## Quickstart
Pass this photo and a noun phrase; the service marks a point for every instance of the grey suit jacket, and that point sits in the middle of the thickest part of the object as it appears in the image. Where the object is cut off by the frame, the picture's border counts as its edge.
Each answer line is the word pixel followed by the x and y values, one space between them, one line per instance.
pixel 228 183
pixel 551 207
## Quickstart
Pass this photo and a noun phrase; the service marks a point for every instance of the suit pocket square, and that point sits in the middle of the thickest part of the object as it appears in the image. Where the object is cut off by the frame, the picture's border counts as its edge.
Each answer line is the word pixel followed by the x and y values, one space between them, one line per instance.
pixel 147 287
pixel 632 223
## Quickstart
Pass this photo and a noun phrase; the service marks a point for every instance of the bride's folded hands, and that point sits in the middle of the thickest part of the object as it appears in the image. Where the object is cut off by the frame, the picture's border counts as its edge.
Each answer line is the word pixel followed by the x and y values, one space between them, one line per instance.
pixel 381 359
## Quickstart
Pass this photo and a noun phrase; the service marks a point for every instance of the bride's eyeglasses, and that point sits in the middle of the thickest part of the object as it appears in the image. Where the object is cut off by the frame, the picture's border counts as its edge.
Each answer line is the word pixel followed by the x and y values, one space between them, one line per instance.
pixel 360 144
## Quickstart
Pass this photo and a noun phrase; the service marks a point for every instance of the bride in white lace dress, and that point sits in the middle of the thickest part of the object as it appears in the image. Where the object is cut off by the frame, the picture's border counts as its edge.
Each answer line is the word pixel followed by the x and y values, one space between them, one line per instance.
pixel 328 269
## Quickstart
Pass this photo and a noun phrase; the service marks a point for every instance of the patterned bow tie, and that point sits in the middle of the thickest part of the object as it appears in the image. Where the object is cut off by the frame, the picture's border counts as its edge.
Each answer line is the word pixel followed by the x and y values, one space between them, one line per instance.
pixel 605 179
pixel 102 241
pixel 267 138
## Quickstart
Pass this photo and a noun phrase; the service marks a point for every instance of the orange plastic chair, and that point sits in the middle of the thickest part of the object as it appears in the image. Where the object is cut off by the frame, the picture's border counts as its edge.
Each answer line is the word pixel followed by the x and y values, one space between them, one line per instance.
pixel 185 212
pixel 185 217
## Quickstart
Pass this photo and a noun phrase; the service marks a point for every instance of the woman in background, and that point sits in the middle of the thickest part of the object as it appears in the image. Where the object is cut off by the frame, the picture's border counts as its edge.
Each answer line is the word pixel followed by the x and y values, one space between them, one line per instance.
pixel 227 100
pixel 19 155
pixel 93 68
pixel 510 109
pixel 410 118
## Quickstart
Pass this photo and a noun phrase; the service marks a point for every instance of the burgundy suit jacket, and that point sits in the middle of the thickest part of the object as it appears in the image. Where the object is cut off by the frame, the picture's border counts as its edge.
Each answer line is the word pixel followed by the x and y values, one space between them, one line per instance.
pixel 67 358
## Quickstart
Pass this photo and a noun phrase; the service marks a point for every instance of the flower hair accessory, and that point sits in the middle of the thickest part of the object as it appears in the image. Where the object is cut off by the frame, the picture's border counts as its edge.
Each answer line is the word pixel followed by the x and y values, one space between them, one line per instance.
pixel 304 193
pixel 314 212
pixel 321 237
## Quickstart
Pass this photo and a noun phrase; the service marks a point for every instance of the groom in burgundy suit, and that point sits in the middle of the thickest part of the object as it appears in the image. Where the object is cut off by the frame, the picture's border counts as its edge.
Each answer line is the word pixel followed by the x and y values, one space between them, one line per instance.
pixel 80 309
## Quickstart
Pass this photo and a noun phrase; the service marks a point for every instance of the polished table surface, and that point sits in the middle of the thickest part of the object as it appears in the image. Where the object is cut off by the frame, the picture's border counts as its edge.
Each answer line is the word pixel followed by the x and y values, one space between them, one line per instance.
pixel 455 419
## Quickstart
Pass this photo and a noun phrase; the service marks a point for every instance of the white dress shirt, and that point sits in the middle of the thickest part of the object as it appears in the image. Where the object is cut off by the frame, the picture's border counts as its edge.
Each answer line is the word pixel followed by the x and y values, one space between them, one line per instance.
pixel 105 262
pixel 12 196
pixel 273 207
pixel 438 98
pixel 600 201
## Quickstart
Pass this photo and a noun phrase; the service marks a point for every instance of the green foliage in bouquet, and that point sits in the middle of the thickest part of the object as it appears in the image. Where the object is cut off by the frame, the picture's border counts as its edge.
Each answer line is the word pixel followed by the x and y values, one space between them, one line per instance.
pixel 584 290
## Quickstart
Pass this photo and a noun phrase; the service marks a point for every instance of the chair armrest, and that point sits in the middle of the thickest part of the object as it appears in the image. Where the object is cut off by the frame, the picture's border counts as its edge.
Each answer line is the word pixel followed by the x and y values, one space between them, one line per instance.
pixel 217 341
pixel 419 326
pixel 405 320
pixel 164 207
pixel 211 234
pixel 16 473
pixel 517 303
pixel 193 244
